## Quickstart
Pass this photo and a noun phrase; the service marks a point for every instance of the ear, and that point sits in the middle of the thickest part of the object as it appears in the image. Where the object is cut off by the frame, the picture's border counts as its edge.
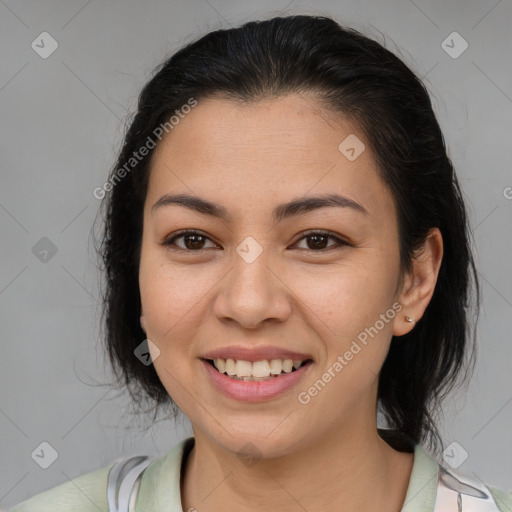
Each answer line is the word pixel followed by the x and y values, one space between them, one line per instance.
pixel 419 284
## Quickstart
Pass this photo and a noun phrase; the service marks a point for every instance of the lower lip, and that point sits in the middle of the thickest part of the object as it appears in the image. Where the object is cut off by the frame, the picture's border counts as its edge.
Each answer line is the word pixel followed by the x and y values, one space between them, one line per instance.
pixel 254 391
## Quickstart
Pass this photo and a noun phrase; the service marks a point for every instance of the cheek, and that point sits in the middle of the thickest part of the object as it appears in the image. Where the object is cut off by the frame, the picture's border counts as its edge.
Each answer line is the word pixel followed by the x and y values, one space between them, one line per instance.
pixel 175 299
pixel 344 306
pixel 349 296
pixel 169 300
pixel 355 344
pixel 170 295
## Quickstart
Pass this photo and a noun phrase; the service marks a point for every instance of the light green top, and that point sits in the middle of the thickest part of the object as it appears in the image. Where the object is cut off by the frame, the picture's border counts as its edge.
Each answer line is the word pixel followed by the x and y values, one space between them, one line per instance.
pixel 160 488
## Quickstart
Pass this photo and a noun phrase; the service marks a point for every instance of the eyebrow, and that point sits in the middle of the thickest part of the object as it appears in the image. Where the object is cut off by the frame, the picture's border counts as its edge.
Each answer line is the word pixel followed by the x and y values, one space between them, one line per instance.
pixel 281 212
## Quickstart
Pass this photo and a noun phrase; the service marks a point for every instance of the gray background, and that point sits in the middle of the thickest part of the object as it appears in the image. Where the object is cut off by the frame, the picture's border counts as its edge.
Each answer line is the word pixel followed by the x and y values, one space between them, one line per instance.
pixel 62 123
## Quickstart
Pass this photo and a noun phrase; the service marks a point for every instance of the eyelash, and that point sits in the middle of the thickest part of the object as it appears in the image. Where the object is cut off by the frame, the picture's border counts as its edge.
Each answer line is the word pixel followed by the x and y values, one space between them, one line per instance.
pixel 169 241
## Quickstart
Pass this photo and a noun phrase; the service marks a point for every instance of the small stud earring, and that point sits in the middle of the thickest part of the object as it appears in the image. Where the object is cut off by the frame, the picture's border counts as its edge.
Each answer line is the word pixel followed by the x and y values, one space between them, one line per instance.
pixel 409 319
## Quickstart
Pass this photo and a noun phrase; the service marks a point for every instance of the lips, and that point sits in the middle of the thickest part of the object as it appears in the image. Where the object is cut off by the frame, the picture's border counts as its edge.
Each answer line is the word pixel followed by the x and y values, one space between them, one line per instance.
pixel 255 375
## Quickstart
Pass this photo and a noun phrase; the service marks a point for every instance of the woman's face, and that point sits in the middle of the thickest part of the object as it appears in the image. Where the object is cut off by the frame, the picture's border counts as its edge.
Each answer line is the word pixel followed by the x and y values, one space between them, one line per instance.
pixel 251 287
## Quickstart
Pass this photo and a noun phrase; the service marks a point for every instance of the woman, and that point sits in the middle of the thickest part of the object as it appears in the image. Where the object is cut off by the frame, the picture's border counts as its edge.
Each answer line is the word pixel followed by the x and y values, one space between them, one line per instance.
pixel 287 254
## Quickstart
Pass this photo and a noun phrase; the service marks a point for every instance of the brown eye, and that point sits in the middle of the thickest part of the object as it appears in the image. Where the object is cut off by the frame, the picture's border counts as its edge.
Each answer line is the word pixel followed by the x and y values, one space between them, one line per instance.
pixel 317 240
pixel 192 241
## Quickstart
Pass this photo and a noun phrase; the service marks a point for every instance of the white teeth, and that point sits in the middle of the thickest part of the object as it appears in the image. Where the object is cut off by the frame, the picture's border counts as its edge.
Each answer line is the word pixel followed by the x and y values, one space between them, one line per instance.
pixel 258 370
pixel 220 364
pixel 287 365
pixel 276 366
pixel 230 367
pixel 243 368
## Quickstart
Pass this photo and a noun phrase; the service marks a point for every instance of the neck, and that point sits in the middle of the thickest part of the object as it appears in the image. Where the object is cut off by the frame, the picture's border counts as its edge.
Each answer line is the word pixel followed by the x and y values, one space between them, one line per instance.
pixel 351 470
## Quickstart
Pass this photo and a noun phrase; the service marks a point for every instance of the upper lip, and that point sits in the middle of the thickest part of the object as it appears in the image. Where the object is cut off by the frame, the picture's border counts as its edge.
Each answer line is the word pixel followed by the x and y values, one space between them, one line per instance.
pixel 255 354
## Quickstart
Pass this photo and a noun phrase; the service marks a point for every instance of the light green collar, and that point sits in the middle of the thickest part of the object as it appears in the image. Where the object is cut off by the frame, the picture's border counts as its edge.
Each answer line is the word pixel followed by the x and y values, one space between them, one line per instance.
pixel 422 490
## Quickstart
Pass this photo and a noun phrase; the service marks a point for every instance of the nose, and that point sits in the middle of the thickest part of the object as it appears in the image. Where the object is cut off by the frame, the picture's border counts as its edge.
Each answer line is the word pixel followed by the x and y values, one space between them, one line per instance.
pixel 252 293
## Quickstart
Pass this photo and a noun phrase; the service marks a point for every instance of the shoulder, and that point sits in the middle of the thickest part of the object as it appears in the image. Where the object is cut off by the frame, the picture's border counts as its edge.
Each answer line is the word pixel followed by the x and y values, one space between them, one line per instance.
pixel 467 492
pixel 88 492
pixel 457 490
pixel 85 493
pixel 436 488
pixel 502 498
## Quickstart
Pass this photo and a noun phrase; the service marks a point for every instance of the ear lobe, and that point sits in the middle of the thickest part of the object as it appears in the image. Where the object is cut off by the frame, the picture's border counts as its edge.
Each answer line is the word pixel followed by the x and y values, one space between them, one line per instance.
pixel 143 321
pixel 419 285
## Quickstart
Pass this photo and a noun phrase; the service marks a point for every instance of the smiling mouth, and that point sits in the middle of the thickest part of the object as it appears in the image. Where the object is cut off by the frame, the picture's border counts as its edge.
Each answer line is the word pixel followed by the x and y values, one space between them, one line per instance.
pixel 258 370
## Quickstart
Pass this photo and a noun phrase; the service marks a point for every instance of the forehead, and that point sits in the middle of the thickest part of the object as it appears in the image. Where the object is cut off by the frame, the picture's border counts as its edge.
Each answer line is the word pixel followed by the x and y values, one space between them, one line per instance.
pixel 295 126
pixel 255 154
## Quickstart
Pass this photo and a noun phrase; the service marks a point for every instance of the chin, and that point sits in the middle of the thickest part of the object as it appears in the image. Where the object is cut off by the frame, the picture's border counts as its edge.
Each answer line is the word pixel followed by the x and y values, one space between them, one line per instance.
pixel 257 440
